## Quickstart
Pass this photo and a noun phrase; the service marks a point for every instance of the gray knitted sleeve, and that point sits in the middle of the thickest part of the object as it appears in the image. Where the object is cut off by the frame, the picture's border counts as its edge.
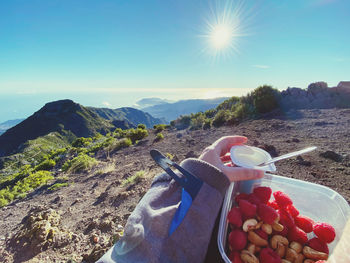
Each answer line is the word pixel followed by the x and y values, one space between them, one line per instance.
pixel 146 237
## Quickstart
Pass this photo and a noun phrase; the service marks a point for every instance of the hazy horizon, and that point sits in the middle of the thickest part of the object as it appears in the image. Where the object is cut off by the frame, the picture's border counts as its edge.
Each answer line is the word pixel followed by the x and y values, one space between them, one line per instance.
pixel 113 53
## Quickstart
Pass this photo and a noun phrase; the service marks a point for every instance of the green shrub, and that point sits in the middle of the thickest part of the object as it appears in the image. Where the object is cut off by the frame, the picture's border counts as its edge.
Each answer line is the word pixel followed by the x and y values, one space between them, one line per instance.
pixel 136 134
pixel 136 178
pixel 220 118
pixel 57 186
pixel 81 142
pixel 47 165
pixel 141 126
pixel 197 121
pixel 159 136
pixel 159 127
pixel 80 163
pixel 210 113
pixel 265 99
pixel 118 144
pixel 183 122
pixel 206 124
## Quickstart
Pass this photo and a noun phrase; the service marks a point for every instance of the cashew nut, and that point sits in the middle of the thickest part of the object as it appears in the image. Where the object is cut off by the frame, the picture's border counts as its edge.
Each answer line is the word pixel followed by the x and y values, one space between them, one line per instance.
pixel 281 250
pixel 251 248
pixel 267 228
pixel 309 261
pixel 256 239
pixel 249 224
pixel 291 255
pixel 277 227
pixel 285 261
pixel 299 259
pixel 314 254
pixel 296 246
pixel 248 257
pixel 259 224
pixel 278 239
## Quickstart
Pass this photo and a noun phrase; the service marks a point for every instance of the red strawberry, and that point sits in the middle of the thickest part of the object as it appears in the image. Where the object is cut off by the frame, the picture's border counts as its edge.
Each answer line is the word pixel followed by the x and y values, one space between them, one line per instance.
pixel 252 198
pixel 298 235
pixel 237 239
pixel 305 223
pixel 263 193
pixel 273 204
pixel 248 209
pixel 267 213
pixel 292 210
pixel 282 199
pixel 235 257
pixel 267 255
pixel 325 232
pixel 234 217
pixel 240 197
pixel 318 245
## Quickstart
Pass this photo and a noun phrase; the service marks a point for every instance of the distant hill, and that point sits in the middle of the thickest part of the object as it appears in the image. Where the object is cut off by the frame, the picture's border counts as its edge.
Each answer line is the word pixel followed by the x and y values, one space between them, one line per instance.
pixel 66 120
pixel 132 116
pixel 148 102
pixel 171 111
pixel 8 124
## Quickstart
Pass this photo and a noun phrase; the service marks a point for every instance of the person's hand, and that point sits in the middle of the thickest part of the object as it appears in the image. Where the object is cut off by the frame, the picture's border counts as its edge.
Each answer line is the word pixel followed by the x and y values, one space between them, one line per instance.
pixel 215 154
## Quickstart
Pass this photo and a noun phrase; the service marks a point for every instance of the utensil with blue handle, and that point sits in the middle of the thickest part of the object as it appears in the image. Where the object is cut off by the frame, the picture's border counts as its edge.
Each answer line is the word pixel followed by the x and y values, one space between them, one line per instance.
pixel 190 186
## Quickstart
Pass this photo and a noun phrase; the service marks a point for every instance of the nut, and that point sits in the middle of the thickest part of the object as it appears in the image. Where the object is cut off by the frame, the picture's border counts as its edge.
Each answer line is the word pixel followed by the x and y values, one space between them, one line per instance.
pixel 259 224
pixel 267 228
pixel 314 254
pixel 299 259
pixel 256 239
pixel 281 250
pixel 285 261
pixel 296 246
pixel 278 239
pixel 249 224
pixel 291 255
pixel 309 261
pixel 248 257
pixel 251 248
pixel 277 227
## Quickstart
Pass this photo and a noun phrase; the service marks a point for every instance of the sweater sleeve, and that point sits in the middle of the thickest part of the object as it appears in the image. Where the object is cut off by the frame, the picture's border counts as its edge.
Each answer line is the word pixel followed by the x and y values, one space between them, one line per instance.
pixel 146 237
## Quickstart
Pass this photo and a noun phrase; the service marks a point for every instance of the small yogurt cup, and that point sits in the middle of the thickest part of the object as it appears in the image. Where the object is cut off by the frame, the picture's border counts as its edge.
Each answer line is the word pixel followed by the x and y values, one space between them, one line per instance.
pixel 250 157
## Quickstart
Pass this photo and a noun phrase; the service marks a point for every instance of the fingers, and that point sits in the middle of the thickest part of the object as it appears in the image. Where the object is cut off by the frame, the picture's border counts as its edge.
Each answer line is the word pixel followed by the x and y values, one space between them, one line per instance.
pixel 224 144
pixel 225 158
pixel 240 174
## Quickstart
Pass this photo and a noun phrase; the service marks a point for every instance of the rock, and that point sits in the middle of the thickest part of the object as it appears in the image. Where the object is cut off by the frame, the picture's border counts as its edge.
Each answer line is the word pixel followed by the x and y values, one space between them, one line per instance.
pixel 270 149
pixel 321 123
pixel 332 155
pixel 179 135
pixel 190 154
pixel 295 140
pixel 301 161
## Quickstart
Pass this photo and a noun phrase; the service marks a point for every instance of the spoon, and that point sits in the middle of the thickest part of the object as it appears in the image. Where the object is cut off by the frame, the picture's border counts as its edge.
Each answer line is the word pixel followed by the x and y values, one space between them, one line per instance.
pixel 288 155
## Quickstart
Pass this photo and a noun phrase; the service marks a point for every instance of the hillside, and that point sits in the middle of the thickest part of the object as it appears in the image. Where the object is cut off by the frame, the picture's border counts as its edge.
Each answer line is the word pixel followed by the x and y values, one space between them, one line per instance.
pixel 9 124
pixel 171 111
pixel 131 115
pixel 88 213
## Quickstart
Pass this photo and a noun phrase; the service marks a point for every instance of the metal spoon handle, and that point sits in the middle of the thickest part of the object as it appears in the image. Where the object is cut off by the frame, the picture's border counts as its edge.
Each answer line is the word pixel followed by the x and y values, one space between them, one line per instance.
pixel 288 155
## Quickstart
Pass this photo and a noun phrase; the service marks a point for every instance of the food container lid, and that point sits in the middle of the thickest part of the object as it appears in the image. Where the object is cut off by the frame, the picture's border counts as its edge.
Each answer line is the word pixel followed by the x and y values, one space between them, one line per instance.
pixel 250 157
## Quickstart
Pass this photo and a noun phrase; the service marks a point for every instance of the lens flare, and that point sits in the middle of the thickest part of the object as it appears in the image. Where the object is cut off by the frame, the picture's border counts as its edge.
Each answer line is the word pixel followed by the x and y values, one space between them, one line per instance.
pixel 225 24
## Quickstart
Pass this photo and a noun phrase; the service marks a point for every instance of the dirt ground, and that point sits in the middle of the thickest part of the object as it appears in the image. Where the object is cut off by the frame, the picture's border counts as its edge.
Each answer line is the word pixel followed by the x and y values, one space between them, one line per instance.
pixel 92 210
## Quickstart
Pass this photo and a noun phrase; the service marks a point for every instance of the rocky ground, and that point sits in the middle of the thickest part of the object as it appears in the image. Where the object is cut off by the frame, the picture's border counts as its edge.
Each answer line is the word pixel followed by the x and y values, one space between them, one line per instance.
pixel 81 221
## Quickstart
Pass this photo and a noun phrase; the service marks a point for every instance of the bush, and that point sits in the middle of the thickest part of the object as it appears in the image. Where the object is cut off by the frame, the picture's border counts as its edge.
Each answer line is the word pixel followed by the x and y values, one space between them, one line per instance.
pixel 81 142
pixel 220 118
pixel 159 136
pixel 183 122
pixel 206 124
pixel 141 126
pixel 159 127
pixel 136 134
pixel 122 143
pixel 265 99
pixel 197 121
pixel 47 165
pixel 57 186
pixel 80 163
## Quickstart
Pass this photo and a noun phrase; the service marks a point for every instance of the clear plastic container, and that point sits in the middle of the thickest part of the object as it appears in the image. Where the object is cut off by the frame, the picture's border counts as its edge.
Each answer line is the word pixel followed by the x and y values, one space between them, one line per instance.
pixel 320 203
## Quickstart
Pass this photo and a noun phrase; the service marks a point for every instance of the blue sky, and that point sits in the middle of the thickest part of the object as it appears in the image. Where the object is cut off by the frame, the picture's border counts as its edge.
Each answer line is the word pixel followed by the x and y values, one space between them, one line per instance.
pixel 112 53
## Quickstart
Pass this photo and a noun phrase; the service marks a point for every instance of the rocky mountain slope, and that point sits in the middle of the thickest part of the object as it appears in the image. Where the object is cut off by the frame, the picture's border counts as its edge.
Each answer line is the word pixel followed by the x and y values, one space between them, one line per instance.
pixel 67 120
pixel 80 221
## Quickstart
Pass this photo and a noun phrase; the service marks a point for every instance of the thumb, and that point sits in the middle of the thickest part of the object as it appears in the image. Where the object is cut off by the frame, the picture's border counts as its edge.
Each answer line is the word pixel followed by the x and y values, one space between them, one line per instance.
pixel 240 174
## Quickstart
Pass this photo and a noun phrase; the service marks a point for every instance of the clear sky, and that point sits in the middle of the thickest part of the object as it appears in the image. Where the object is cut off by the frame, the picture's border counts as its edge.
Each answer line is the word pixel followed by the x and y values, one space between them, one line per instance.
pixel 112 53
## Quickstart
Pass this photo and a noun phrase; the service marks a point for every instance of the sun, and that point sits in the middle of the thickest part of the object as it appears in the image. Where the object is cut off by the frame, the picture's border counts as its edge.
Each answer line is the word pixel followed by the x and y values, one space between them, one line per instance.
pixel 225 24
pixel 221 36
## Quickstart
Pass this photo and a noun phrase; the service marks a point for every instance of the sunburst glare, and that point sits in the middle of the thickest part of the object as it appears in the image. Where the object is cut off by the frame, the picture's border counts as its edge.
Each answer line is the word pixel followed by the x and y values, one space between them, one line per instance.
pixel 225 23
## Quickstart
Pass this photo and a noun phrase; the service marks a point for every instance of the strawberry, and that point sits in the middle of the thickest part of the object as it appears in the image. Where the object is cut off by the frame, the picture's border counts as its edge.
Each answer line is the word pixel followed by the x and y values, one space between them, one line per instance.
pixel 267 255
pixel 282 199
pixel 240 197
pixel 234 217
pixel 237 239
pixel 325 232
pixel 248 209
pixel 305 223
pixel 267 213
pixel 292 210
pixel 235 257
pixel 318 245
pixel 263 193
pixel 297 235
